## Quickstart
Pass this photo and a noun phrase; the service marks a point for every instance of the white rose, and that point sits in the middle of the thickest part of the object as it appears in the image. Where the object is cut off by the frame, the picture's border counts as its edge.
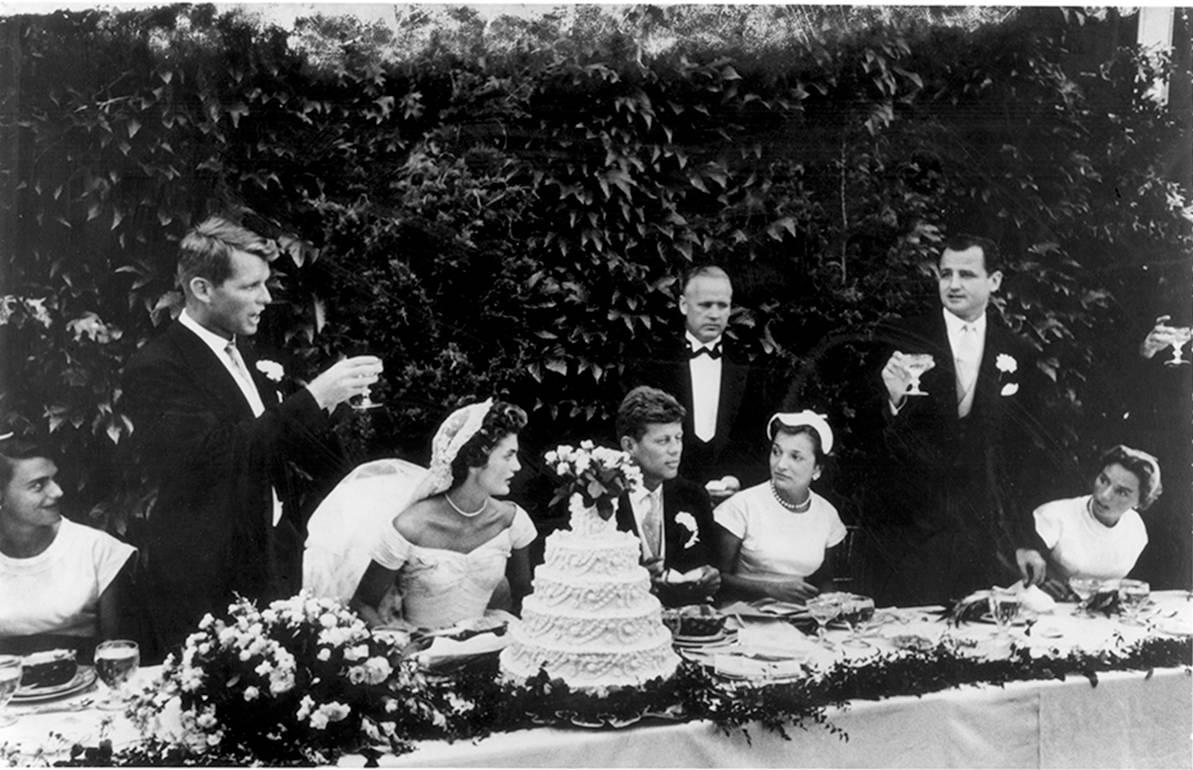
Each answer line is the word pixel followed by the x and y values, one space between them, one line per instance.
pixel 1006 363
pixel 271 369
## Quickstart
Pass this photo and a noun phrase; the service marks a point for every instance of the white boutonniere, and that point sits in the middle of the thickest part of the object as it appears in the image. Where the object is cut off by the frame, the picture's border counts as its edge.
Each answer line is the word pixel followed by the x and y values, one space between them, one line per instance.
pixel 271 369
pixel 1007 365
pixel 688 522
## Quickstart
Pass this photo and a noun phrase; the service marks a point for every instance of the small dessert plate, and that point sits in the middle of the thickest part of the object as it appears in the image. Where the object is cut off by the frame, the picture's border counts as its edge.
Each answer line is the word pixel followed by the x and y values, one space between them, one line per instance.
pixel 83 679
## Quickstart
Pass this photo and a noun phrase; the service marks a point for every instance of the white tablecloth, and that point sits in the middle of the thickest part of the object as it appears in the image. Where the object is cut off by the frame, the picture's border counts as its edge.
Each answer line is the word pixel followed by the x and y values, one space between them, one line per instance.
pixel 1129 719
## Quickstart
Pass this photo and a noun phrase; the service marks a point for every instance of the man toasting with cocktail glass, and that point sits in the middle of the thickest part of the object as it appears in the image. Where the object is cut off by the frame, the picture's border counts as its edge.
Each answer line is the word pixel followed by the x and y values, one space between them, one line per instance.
pixel 959 434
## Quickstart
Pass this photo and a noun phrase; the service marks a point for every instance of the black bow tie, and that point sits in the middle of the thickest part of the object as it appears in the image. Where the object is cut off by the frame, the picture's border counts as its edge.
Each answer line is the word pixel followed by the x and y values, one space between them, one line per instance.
pixel 713 352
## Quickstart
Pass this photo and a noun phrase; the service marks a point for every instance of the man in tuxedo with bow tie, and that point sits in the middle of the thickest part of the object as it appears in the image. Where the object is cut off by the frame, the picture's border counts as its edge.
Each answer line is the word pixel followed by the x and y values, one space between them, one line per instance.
pixel 725 411
pixel 959 491
pixel 219 445
pixel 670 515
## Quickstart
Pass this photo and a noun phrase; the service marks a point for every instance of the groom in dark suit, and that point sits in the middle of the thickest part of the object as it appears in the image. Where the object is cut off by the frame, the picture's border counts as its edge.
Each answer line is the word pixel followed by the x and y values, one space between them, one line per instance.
pixel 218 443
pixel 670 515
pixel 959 495
pixel 725 413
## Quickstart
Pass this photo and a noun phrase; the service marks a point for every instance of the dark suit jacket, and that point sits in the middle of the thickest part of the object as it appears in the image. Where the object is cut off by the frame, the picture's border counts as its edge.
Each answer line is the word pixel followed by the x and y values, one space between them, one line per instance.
pixel 210 535
pixel 679 494
pixel 739 446
pixel 959 492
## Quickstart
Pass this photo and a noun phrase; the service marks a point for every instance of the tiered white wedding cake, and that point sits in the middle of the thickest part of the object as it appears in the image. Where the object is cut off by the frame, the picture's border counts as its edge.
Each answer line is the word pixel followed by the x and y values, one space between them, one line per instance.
pixel 591 620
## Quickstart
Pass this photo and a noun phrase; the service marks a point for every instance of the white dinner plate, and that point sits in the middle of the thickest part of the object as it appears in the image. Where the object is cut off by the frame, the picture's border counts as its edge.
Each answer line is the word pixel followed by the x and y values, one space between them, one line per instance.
pixel 83 679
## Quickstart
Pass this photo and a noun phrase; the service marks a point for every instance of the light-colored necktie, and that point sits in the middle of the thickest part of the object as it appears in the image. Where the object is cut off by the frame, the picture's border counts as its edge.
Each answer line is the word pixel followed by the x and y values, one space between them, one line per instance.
pixel 254 398
pixel 966 363
pixel 652 525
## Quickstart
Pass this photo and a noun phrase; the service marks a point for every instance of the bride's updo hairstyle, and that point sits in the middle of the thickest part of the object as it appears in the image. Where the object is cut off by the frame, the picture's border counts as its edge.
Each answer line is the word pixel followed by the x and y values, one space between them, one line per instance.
pixel 502 419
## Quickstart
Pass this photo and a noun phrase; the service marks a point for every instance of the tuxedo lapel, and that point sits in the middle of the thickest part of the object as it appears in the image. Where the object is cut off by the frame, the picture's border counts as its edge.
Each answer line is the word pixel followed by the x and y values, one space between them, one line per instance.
pixel 265 387
pixel 625 515
pixel 733 385
pixel 209 372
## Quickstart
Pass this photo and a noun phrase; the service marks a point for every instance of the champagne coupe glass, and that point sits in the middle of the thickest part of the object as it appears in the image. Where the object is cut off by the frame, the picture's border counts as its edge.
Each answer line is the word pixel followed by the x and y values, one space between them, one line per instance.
pixel 366 402
pixel 858 615
pixel 10 680
pixel 116 661
pixel 1177 337
pixel 1004 608
pixel 823 609
pixel 1132 595
pixel 917 364
pixel 1085 588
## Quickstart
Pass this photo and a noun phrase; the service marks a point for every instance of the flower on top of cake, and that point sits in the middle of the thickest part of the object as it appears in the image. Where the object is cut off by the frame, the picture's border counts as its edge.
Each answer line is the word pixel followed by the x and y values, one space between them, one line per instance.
pixel 599 475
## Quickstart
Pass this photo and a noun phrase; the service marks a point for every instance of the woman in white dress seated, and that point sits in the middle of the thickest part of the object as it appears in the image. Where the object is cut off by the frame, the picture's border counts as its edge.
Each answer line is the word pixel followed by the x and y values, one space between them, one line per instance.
pixel 429 548
pixel 1099 535
pixel 774 538
pixel 60 582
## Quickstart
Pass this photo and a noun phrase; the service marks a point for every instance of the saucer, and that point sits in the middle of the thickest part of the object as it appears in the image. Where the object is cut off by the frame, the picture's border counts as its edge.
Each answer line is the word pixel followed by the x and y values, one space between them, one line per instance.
pixel 83 679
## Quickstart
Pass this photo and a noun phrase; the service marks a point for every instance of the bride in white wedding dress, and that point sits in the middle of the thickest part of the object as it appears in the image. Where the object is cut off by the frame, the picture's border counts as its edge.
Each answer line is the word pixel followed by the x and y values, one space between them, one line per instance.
pixel 428 547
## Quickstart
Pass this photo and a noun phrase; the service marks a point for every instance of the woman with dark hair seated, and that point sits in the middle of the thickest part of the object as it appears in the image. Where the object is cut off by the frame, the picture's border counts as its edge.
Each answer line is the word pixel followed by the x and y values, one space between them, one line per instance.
pixel 774 538
pixel 440 549
pixel 1099 535
pixel 60 582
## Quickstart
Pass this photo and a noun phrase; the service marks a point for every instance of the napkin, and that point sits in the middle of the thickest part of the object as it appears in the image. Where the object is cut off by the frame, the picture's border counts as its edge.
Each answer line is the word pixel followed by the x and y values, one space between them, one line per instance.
pixel 1034 599
pixel 674 576
pixel 775 639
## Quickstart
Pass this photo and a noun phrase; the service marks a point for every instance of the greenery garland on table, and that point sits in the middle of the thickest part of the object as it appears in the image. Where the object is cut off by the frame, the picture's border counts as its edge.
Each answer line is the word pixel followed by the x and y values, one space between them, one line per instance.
pixel 475 704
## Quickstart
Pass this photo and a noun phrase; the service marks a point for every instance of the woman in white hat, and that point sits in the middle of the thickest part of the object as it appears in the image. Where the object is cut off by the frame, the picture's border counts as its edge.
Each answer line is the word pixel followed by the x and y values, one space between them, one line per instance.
pixel 774 537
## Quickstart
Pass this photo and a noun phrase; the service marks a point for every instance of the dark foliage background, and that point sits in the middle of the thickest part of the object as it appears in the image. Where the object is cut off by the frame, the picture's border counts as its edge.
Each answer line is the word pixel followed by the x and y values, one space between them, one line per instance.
pixel 504 207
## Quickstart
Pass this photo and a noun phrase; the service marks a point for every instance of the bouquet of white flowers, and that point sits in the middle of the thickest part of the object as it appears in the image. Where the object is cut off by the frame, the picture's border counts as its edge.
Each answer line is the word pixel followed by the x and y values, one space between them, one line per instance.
pixel 599 475
pixel 301 681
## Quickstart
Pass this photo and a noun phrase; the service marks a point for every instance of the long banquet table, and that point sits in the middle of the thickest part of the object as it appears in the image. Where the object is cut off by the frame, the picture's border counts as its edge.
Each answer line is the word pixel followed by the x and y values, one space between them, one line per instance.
pixel 1129 719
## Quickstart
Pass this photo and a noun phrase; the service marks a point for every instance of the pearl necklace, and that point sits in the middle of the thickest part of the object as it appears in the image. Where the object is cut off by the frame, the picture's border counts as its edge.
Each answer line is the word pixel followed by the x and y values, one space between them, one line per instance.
pixel 464 513
pixel 796 507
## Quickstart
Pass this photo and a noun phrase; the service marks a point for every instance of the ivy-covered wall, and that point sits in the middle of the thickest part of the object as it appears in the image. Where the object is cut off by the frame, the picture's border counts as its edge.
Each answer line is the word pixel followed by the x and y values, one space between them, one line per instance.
pixel 506 210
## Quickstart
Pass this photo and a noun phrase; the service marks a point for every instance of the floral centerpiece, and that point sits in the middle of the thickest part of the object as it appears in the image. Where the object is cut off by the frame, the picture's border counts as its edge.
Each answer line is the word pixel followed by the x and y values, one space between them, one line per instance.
pixel 300 681
pixel 592 478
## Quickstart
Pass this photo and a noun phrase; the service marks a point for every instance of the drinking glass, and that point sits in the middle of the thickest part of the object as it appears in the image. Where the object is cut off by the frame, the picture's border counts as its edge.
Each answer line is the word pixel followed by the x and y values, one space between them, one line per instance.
pixel 365 402
pixel 115 662
pixel 1004 608
pixel 917 364
pixel 823 609
pixel 1132 595
pixel 1177 337
pixel 1085 588
pixel 857 613
pixel 10 680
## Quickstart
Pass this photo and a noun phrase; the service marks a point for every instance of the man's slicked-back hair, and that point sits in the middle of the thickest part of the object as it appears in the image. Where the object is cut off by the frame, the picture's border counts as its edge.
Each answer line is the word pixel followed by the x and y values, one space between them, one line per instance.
pixel 991 256
pixel 645 406
pixel 206 251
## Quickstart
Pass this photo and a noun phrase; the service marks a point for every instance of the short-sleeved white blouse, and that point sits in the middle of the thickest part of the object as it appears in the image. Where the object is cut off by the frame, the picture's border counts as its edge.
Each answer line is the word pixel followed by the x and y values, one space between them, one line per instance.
pixel 1084 546
pixel 440 587
pixel 57 591
pixel 778 543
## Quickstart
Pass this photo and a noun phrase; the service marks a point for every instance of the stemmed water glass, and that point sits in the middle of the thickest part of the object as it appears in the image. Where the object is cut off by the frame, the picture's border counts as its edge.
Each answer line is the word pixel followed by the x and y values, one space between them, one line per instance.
pixel 365 402
pixel 1132 595
pixel 115 662
pixel 823 609
pixel 10 680
pixel 1004 608
pixel 916 364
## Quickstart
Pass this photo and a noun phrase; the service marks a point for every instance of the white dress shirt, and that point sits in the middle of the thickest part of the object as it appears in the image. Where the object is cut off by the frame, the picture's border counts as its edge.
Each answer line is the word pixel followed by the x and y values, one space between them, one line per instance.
pixel 641 502
pixel 240 374
pixel 967 340
pixel 705 372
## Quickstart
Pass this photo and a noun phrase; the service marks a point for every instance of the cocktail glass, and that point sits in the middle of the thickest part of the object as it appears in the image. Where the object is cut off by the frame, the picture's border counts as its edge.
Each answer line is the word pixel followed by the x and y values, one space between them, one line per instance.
pixel 115 662
pixel 1177 337
pixel 823 609
pixel 857 612
pixel 10 680
pixel 1004 608
pixel 1132 595
pixel 916 364
pixel 1085 588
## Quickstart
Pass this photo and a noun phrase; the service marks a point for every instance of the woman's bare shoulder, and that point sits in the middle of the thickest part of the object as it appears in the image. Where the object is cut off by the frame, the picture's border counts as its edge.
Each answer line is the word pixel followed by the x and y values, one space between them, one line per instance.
pixel 413 521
